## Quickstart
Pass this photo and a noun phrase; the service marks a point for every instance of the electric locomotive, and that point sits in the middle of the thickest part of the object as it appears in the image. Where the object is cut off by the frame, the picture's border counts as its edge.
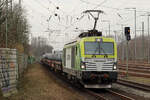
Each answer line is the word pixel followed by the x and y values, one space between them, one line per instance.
pixel 91 59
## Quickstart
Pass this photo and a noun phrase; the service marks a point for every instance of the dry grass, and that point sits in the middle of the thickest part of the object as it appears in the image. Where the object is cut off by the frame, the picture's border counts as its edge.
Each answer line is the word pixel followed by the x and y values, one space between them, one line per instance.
pixel 1 96
pixel 38 84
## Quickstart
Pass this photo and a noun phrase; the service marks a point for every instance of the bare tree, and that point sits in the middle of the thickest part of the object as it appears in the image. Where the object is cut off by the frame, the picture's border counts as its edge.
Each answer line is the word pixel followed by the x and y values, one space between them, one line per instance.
pixel 39 46
pixel 18 27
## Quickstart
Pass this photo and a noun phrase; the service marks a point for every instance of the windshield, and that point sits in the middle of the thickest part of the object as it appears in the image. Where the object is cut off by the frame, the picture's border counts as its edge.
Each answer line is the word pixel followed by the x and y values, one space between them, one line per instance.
pixel 99 48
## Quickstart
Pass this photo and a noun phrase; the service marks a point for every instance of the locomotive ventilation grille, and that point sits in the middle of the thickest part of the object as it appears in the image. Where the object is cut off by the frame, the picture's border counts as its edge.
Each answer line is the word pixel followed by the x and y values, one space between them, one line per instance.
pixel 99 64
pixel 91 66
pixel 107 66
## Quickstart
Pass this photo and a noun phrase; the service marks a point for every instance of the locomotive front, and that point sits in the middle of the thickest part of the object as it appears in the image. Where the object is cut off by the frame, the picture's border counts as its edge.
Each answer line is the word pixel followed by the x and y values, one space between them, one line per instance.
pixel 98 62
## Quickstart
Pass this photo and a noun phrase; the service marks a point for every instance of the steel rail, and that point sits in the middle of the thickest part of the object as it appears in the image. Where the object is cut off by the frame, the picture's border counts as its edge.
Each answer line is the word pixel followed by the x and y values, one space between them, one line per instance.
pixel 134 85
pixel 99 97
pixel 136 70
pixel 120 95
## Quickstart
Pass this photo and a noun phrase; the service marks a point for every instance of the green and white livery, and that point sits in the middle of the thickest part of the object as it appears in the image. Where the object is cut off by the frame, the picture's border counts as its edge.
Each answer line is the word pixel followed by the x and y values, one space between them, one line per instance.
pixel 92 61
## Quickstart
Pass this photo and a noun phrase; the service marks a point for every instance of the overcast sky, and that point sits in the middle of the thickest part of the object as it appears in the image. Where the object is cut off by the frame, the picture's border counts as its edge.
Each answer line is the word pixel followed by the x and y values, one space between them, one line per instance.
pixel 41 16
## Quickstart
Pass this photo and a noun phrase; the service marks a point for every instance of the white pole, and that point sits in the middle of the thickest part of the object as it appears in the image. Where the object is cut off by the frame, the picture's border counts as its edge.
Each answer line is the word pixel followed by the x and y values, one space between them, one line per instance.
pixel 122 43
pixel 127 59
pixel 135 35
pixel 148 37
pixel 143 41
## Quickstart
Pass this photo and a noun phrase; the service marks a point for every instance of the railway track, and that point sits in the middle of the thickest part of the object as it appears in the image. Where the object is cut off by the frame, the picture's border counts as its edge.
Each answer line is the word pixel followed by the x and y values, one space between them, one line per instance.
pixel 134 85
pixel 108 95
pixel 135 74
pixel 133 70
pixel 136 70
pixel 134 66
pixel 100 94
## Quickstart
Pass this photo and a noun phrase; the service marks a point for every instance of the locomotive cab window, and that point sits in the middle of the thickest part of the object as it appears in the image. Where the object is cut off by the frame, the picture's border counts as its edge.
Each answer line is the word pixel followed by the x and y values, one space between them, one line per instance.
pixel 99 48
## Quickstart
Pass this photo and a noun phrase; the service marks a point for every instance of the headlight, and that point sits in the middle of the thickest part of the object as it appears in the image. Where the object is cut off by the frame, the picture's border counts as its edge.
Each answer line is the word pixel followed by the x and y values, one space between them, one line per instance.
pixel 115 67
pixel 83 66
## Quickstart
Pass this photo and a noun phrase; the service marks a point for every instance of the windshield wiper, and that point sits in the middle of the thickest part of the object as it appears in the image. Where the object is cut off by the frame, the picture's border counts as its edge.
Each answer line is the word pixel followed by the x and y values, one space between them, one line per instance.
pixel 106 55
pixel 100 48
pixel 97 48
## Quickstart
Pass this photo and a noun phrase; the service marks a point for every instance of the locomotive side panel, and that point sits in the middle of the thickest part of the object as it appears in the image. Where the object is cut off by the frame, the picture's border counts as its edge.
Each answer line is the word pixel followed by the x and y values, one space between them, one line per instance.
pixel 68 58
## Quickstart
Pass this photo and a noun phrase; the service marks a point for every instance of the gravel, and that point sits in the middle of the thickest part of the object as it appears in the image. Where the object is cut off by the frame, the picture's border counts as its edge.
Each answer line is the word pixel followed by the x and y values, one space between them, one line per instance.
pixel 138 93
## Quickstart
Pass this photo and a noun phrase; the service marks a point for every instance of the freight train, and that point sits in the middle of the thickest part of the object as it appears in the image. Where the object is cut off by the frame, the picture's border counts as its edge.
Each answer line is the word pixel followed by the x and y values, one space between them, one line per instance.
pixel 90 60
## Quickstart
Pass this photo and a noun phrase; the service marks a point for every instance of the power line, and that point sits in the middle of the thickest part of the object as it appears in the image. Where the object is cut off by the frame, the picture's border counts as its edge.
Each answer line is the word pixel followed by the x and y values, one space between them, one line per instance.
pixel 100 4
pixel 72 17
pixel 97 5
pixel 45 16
pixel 35 11
pixel 63 12
pixel 88 2
pixel 42 5
pixel 74 22
pixel 54 10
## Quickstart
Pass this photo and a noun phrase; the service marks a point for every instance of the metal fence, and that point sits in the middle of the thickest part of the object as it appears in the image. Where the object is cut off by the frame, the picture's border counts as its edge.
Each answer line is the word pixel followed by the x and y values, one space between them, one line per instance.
pixel 12 65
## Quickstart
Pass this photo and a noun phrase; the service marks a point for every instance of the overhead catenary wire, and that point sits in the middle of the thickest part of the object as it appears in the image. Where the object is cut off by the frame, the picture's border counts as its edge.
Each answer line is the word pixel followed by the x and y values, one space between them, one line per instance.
pixel 41 13
pixel 115 8
pixel 63 12
pixel 88 2
pixel 94 4
pixel 114 25
pixel 71 16
pixel 79 19
pixel 100 4
pixel 47 8
pixel 35 11
pixel 43 6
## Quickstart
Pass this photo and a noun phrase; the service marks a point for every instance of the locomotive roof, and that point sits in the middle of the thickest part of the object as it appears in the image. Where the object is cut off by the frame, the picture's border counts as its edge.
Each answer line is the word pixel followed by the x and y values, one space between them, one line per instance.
pixel 89 34
pixel 90 39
